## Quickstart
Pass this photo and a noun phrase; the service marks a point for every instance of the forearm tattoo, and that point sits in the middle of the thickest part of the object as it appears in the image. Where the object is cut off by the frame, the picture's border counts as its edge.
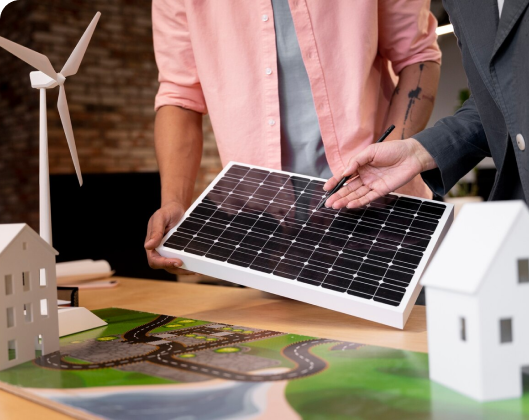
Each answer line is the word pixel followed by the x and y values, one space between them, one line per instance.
pixel 413 95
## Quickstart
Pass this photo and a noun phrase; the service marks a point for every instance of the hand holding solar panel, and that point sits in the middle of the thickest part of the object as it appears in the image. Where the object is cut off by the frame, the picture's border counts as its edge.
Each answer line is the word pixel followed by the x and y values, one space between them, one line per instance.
pixel 260 228
pixel 379 169
pixel 159 224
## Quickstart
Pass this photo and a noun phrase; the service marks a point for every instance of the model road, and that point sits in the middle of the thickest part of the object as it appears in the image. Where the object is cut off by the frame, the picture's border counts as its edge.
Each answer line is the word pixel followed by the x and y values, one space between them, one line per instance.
pixel 166 353
pixel 307 364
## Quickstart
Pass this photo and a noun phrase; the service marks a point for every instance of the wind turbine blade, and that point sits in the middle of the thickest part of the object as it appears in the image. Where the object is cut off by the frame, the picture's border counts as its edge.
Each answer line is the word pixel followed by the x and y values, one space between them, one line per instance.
pixel 74 61
pixel 64 112
pixel 33 58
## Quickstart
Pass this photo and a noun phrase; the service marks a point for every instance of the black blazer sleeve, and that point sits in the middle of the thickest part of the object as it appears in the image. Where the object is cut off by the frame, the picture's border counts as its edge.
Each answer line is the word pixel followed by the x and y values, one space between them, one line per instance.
pixel 457 144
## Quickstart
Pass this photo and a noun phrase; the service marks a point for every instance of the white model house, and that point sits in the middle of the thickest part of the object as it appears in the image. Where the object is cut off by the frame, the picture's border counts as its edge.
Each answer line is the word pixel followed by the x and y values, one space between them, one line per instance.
pixel 28 296
pixel 477 302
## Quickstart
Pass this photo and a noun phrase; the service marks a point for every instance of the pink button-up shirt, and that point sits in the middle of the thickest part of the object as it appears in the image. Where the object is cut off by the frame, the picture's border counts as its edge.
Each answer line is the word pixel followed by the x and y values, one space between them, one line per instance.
pixel 219 56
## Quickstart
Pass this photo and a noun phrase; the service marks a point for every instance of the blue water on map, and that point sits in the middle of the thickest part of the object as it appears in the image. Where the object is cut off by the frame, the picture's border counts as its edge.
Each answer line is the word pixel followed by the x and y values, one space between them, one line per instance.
pixel 234 402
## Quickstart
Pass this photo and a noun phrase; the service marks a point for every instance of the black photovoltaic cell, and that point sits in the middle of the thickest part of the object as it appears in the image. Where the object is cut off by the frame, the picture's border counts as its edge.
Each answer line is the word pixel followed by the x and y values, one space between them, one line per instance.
pixel 265 221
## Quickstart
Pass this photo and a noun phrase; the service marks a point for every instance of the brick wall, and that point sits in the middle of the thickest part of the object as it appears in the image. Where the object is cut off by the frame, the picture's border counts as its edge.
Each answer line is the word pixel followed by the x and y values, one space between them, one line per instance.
pixel 110 99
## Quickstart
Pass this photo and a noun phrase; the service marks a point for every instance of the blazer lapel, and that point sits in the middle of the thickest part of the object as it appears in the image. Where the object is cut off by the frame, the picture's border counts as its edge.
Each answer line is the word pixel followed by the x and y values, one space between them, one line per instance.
pixel 512 10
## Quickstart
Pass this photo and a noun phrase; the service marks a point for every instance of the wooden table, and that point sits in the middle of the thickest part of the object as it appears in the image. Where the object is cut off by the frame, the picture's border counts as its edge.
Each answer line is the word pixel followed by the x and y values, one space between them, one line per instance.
pixel 231 305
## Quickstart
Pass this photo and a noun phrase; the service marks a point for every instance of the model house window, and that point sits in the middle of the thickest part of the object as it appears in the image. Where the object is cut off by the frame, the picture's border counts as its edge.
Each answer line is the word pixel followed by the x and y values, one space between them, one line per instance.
pixel 463 329
pixel 39 345
pixel 523 271
pixel 12 349
pixel 10 317
pixel 42 277
pixel 506 330
pixel 24 246
pixel 25 281
pixel 44 307
pixel 9 284
pixel 28 312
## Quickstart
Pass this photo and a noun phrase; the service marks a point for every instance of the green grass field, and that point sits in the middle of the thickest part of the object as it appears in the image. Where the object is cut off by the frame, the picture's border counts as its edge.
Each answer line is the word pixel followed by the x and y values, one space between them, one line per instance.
pixel 381 383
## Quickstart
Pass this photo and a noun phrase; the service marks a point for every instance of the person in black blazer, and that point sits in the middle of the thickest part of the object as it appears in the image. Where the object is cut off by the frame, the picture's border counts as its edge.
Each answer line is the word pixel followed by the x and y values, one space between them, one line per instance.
pixel 494 40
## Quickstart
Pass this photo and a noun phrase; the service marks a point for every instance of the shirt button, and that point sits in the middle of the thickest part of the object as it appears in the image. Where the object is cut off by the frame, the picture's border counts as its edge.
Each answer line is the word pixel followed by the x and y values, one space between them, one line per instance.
pixel 271 122
pixel 520 142
pixel 268 70
pixel 265 18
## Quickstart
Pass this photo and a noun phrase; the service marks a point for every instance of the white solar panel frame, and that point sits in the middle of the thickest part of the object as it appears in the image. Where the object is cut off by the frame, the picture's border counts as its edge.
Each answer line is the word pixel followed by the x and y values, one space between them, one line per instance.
pixel 394 316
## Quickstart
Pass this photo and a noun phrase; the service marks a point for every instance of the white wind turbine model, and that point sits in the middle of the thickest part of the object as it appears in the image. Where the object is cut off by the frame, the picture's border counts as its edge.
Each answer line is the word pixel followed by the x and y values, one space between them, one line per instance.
pixel 47 78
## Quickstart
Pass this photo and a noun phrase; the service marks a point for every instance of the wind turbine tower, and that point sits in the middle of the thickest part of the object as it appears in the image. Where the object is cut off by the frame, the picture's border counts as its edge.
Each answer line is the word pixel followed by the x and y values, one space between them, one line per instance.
pixel 47 78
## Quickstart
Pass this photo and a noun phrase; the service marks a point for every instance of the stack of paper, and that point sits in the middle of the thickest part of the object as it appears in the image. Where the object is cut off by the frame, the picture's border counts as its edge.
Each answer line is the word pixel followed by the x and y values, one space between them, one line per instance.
pixel 82 271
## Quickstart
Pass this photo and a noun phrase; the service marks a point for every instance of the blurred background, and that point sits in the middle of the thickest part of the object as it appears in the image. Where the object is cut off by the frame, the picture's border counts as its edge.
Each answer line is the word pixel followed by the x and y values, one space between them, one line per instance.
pixel 111 105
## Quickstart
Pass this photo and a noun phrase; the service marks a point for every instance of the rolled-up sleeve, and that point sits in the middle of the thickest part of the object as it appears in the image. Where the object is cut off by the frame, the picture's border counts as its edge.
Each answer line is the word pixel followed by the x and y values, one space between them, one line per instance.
pixel 407 33
pixel 179 81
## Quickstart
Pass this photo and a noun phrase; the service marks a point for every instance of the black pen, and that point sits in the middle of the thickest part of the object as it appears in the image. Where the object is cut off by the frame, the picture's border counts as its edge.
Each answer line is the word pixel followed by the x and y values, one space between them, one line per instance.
pixel 346 178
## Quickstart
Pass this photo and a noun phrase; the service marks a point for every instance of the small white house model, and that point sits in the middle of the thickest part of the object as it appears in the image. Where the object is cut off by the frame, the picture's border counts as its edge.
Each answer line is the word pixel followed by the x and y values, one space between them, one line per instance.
pixel 28 296
pixel 477 302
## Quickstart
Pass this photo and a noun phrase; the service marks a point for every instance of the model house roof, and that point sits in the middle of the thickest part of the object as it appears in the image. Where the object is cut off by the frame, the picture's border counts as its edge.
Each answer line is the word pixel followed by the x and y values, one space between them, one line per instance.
pixel 8 232
pixel 471 244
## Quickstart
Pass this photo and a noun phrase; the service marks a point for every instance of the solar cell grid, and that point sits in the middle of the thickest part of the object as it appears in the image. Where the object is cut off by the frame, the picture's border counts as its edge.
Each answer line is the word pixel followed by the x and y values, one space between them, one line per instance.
pixel 265 221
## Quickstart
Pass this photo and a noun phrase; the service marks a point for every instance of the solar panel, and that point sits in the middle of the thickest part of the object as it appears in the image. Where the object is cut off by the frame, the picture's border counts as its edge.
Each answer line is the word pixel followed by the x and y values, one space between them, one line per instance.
pixel 259 228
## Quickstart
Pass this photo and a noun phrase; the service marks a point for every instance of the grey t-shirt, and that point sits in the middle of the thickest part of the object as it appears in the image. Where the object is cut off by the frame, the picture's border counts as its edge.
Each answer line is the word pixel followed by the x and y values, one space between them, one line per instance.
pixel 302 148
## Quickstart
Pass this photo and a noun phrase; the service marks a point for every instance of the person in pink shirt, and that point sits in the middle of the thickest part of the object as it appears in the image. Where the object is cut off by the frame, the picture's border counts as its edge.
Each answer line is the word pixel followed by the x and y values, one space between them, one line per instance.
pixel 296 85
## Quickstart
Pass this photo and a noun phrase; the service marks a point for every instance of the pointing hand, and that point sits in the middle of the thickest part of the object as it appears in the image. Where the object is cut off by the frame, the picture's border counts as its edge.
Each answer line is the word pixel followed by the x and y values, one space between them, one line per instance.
pixel 378 170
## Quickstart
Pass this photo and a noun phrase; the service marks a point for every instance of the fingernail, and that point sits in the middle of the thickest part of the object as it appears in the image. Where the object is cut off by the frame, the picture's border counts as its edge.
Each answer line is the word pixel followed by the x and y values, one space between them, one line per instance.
pixel 177 265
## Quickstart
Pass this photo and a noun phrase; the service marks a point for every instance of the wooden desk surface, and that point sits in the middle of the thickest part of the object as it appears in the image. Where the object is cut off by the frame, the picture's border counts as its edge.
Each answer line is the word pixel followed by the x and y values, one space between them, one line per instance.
pixel 231 305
